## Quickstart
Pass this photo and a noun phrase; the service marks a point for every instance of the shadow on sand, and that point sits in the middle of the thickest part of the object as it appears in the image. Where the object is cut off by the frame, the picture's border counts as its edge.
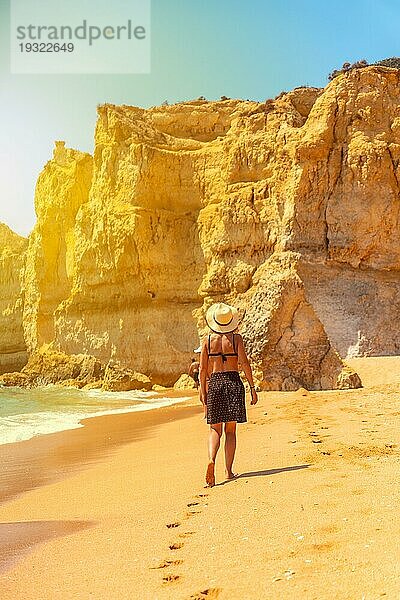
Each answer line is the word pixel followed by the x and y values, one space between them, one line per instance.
pixel 263 473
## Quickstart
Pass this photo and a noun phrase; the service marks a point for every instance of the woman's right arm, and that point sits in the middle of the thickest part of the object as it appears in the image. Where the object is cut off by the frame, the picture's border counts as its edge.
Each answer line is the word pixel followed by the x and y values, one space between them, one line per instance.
pixel 203 372
pixel 244 361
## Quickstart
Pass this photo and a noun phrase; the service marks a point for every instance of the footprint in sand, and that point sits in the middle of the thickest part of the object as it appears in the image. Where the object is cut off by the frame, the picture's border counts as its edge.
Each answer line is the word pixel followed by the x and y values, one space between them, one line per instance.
pixel 195 509
pixel 170 578
pixel 358 492
pixel 208 594
pixel 324 547
pixel 175 546
pixel 190 513
pixel 167 563
pixel 169 525
pixel 186 534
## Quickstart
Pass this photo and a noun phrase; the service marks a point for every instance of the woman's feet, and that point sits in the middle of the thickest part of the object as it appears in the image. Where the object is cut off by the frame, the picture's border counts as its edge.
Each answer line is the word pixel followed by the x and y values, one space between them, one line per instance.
pixel 210 476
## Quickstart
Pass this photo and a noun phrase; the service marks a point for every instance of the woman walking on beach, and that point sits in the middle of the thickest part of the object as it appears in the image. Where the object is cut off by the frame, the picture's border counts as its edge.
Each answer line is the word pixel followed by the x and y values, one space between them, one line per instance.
pixel 224 397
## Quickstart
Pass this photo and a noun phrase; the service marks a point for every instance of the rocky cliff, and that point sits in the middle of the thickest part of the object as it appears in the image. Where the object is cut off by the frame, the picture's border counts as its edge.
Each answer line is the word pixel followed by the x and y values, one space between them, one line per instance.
pixel 13 353
pixel 287 208
pixel 61 190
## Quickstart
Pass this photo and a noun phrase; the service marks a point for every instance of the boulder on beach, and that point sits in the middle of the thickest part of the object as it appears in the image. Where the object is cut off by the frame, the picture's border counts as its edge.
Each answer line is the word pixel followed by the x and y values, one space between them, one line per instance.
pixel 185 382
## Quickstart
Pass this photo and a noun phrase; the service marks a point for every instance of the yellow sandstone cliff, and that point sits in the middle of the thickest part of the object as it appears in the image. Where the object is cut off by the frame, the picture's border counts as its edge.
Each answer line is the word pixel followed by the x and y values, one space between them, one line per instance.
pixel 62 188
pixel 287 208
pixel 13 354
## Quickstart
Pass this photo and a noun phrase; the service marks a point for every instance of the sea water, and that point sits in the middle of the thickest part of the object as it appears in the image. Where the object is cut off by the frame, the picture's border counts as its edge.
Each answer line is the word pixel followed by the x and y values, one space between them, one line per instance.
pixel 25 413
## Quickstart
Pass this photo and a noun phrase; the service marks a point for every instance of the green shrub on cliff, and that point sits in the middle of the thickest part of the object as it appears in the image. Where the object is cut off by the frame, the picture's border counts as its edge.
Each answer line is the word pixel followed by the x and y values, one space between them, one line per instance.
pixel 347 67
pixel 393 62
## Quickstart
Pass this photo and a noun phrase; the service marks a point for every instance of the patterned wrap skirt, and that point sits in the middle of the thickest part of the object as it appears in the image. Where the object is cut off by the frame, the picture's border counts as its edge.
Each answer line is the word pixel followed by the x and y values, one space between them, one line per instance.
pixel 226 398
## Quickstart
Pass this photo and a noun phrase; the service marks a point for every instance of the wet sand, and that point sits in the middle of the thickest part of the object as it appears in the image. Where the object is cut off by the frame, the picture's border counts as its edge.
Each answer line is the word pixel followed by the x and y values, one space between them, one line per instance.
pixel 117 509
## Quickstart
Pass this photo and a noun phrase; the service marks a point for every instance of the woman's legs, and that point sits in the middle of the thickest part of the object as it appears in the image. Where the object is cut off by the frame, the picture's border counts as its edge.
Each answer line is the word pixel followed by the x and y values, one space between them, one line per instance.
pixel 230 446
pixel 214 440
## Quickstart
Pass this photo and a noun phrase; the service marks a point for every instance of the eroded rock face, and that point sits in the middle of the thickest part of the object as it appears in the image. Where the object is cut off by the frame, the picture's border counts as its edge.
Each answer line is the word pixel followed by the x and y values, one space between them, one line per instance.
pixel 48 366
pixel 287 208
pixel 50 271
pixel 289 348
pixel 13 353
pixel 358 307
pixel 346 184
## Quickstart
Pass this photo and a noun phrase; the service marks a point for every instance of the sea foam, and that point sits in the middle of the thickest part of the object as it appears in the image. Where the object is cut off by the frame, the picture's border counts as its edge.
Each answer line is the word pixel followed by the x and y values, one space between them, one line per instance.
pixel 40 411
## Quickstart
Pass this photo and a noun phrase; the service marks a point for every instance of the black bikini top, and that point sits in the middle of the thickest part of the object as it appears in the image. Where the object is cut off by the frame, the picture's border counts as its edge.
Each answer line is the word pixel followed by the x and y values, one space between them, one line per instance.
pixel 223 354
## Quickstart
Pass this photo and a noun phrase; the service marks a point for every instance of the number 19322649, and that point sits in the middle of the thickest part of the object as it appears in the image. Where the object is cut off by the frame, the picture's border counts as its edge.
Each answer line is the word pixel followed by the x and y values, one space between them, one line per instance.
pixel 45 47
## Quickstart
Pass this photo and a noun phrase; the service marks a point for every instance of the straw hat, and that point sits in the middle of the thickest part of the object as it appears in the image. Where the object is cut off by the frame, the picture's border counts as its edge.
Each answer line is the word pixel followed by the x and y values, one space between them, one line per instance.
pixel 222 318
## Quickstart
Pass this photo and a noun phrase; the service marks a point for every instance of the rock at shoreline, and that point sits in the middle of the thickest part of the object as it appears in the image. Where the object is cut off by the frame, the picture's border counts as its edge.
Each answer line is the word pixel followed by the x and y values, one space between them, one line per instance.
pixel 159 388
pixel 16 378
pixel 47 366
pixel 348 379
pixel 185 382
pixel 122 379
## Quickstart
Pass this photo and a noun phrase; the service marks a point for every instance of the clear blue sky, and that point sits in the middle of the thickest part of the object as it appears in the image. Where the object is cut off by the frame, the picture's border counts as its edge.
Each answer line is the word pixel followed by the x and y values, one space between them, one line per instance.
pixel 252 49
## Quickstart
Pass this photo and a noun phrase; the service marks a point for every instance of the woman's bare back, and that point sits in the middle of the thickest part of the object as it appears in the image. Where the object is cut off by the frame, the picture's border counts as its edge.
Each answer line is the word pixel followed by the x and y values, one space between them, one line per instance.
pixel 219 344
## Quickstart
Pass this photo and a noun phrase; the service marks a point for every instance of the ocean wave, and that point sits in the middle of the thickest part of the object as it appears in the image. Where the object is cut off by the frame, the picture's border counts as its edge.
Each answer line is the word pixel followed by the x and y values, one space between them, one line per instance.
pixel 24 426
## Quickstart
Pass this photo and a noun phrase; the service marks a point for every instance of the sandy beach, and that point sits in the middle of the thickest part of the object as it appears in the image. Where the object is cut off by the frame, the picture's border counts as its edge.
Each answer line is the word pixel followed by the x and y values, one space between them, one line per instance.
pixel 117 509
